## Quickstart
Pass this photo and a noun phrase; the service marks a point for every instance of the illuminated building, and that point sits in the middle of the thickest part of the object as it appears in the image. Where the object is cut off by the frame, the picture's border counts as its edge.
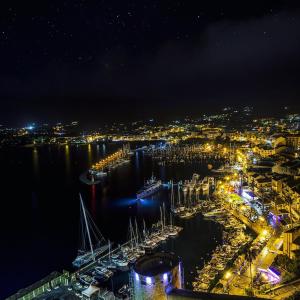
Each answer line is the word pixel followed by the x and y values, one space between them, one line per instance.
pixel 153 273
pixel 291 242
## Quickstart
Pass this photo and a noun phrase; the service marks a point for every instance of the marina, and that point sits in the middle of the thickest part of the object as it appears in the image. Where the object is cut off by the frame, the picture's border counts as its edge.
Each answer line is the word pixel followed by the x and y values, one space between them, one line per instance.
pixel 98 264
pixel 190 197
pixel 188 153
pixel 157 229
pixel 150 150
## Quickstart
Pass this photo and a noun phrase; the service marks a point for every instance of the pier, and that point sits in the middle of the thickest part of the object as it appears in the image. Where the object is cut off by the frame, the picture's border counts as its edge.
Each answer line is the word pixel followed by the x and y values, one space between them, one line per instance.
pixel 99 170
pixel 112 160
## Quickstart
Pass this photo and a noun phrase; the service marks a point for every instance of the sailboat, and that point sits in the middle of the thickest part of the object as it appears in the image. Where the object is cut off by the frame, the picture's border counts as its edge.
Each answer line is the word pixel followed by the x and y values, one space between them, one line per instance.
pixel 92 242
pixel 176 208
pixel 173 231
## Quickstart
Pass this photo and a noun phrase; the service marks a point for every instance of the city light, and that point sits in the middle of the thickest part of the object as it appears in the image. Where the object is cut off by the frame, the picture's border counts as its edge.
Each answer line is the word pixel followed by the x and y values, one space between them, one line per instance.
pixel 228 275
pixel 148 280
pixel 265 232
pixel 137 277
pixel 181 177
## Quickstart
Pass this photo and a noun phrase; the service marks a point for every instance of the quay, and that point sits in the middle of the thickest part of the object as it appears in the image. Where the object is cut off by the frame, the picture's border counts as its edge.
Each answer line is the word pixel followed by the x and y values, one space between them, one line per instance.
pixel 112 160
pixel 99 170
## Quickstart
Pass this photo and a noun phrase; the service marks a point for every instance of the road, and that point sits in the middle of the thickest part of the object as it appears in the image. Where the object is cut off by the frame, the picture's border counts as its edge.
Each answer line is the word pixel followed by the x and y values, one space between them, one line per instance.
pixel 285 290
pixel 236 283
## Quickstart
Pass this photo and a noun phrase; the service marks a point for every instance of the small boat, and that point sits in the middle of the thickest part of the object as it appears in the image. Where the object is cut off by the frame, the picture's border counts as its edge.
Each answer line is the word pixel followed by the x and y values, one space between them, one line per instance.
pixel 120 262
pixel 214 213
pixel 103 271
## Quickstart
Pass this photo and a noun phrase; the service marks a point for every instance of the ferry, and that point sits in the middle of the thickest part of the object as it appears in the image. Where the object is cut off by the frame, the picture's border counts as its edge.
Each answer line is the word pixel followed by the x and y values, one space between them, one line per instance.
pixel 152 186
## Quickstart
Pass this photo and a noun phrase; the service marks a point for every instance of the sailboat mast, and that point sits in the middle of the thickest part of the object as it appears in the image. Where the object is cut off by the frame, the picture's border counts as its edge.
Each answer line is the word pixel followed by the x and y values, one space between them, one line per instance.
pixel 161 219
pixel 131 234
pixel 164 212
pixel 144 231
pixel 87 226
pixel 109 250
pixel 137 234
pixel 171 194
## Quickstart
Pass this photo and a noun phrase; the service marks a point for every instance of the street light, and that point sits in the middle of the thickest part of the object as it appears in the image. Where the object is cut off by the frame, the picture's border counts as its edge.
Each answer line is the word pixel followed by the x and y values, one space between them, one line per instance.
pixel 228 275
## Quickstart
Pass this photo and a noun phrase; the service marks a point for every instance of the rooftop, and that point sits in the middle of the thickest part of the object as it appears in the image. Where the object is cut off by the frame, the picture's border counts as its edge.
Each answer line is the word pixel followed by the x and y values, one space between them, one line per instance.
pixel 154 264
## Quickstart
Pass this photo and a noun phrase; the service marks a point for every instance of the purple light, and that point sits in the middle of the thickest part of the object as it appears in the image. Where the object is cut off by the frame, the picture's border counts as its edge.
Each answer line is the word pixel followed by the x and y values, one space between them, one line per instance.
pixel 272 277
pixel 137 276
pixel 274 274
pixel 165 277
pixel 148 280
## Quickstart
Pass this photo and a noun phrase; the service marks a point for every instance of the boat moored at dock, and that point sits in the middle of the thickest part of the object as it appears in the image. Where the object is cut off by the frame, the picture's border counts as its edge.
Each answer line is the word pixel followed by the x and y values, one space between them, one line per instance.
pixel 152 186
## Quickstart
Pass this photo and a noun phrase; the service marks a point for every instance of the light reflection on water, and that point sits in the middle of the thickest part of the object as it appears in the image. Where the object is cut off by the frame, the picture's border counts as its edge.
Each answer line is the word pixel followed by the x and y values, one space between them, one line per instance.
pixel 93 201
pixel 35 162
pixel 68 161
pixel 90 155
pixel 127 202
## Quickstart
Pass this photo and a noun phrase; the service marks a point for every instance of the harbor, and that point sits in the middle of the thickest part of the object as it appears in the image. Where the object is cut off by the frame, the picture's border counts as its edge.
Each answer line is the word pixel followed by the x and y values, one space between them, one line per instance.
pixel 174 202
pixel 122 205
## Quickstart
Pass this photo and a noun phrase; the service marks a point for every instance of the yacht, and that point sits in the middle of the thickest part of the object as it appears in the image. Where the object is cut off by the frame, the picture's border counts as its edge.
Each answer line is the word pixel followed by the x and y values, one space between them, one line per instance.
pixel 97 243
pixel 152 186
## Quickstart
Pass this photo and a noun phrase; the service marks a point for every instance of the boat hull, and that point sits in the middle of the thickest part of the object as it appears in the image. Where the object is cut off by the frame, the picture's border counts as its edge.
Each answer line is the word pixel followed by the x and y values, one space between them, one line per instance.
pixel 149 192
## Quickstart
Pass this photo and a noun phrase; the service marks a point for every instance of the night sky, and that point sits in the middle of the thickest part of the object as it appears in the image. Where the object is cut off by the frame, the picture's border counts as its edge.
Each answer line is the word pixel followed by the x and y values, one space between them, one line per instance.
pixel 101 60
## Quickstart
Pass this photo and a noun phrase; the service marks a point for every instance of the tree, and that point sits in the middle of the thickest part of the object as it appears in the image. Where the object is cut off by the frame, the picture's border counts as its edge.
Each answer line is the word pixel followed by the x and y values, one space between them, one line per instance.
pixel 250 256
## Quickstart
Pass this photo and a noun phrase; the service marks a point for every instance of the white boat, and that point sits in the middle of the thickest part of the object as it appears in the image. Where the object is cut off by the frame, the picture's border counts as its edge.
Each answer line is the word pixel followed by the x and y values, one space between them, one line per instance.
pixel 120 262
pixel 214 213
pixel 103 272
pixel 186 214
pixel 152 186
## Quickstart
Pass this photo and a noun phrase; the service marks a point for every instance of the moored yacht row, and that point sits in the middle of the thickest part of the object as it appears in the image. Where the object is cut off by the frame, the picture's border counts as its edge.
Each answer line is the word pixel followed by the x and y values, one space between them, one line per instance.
pixel 222 255
pixel 234 238
pixel 186 202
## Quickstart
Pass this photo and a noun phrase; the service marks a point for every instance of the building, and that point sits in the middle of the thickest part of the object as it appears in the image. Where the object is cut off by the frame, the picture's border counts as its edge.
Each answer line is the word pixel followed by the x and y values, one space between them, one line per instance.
pixel 291 242
pixel 288 168
pixel 268 150
pixel 55 279
pixel 293 141
pixel 277 140
pixel 152 273
pixel 212 133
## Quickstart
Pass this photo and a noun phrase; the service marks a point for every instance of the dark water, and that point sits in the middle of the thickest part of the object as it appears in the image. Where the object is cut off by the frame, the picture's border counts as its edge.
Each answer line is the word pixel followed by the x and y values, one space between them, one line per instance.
pixel 40 209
